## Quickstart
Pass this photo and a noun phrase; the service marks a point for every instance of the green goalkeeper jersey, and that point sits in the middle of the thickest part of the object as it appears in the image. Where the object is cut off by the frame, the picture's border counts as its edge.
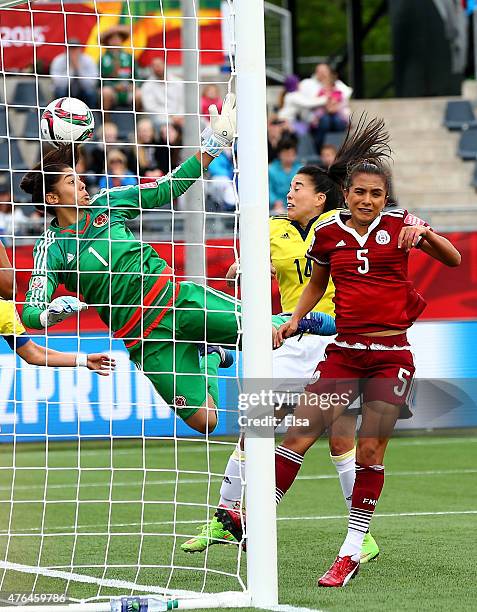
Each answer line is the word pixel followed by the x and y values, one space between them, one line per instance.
pixel 101 259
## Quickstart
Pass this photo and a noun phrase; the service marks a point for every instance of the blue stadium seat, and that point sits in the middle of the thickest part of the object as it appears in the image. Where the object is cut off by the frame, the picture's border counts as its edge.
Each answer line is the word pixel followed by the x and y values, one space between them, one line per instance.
pixel 467 147
pixel 18 195
pixel 459 115
pixel 16 162
pixel 26 96
pixel 334 138
pixel 3 120
pixel 125 122
pixel 474 177
pixel 32 125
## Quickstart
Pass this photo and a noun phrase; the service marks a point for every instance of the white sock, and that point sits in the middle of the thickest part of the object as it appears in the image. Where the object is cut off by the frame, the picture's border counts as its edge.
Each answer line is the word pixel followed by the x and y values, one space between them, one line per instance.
pixel 231 489
pixel 352 544
pixel 345 466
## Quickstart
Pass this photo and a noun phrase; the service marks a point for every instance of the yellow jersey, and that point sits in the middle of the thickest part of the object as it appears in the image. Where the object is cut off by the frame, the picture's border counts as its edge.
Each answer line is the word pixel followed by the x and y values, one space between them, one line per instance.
pixel 288 245
pixel 10 324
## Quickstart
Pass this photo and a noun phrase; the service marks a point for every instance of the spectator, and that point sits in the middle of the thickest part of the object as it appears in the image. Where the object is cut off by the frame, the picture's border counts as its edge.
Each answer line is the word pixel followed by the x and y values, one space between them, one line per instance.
pixel 75 74
pixel 309 88
pixel 10 217
pixel 210 95
pixel 277 130
pixel 168 152
pixel 95 152
pixel 118 174
pixel 163 96
pixel 147 148
pixel 220 189
pixel 280 173
pixel 117 70
pixel 333 113
pixel 327 155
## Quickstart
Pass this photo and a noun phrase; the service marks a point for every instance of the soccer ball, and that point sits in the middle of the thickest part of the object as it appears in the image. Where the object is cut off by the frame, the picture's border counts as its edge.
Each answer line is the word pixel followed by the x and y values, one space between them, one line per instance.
pixel 67 120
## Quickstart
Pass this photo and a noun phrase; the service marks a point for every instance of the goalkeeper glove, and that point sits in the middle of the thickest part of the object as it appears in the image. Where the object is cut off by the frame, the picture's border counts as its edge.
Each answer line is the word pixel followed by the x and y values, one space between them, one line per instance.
pixel 222 128
pixel 60 309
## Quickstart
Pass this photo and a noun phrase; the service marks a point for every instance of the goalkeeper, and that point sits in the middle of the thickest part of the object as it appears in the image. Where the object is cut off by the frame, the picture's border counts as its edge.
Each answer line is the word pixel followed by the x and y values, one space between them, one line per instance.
pixel 89 249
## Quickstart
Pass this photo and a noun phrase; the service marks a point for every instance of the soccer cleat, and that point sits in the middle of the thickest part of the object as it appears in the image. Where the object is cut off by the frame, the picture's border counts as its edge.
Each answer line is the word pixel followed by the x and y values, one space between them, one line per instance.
pixel 317 323
pixel 340 573
pixel 212 532
pixel 231 522
pixel 369 550
pixel 226 357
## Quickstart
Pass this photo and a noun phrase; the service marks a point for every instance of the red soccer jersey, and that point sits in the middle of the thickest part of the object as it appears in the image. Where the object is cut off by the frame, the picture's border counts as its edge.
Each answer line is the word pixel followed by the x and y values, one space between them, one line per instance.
pixel 373 292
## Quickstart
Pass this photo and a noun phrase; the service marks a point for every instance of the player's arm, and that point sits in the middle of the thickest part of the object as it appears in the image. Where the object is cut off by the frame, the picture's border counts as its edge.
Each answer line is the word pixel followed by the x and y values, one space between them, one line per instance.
pixel 214 139
pixel 6 275
pixel 38 355
pixel 309 298
pixel 39 311
pixel 431 243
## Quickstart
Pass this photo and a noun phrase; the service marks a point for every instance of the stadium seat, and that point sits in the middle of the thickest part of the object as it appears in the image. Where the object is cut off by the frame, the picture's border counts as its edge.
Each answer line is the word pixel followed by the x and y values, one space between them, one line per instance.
pixel 474 177
pixel 334 138
pixel 306 147
pixel 25 96
pixel 32 125
pixel 459 115
pixel 17 161
pixel 19 196
pixel 467 147
pixel 125 122
pixel 3 120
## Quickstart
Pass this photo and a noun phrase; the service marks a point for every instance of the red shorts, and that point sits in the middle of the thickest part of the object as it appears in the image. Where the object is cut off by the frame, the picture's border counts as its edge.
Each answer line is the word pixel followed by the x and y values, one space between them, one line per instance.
pixel 378 368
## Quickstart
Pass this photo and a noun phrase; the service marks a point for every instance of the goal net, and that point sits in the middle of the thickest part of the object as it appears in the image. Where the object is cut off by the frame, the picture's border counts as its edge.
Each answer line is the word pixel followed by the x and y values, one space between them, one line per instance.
pixel 100 482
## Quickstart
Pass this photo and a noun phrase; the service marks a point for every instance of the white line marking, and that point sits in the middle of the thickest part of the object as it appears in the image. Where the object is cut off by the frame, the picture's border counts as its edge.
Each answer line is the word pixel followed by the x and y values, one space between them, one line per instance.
pixel 67 530
pixel 198 481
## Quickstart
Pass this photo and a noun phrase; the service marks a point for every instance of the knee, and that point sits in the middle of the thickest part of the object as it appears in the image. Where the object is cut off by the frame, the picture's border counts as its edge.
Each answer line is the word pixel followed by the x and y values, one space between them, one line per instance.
pixel 369 452
pixel 204 420
pixel 298 444
pixel 340 446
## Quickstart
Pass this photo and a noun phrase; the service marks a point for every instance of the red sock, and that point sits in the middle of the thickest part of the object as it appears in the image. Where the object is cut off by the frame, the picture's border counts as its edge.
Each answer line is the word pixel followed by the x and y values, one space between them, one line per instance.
pixel 366 491
pixel 287 465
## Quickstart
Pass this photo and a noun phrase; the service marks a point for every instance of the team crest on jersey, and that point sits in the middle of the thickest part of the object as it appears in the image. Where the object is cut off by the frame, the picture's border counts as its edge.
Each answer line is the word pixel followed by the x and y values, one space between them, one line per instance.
pixel 101 220
pixel 383 237
pixel 37 282
pixel 180 401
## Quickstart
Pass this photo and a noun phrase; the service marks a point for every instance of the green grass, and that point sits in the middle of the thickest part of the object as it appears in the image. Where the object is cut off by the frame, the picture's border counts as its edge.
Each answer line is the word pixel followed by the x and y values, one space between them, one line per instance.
pixel 427 561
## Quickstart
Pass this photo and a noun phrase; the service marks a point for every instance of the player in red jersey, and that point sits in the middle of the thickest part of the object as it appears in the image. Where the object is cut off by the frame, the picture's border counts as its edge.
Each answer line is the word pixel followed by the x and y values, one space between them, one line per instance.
pixel 366 250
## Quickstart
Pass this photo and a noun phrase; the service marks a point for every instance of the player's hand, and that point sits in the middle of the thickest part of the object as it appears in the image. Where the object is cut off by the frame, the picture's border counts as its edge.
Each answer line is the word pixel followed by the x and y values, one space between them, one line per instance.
pixel 222 128
pixel 232 275
pixel 286 330
pixel 60 309
pixel 101 364
pixel 273 272
pixel 411 235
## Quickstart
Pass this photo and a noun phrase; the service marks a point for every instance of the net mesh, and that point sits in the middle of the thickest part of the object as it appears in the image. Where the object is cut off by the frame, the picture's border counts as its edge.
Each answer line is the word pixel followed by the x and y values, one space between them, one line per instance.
pixel 99 482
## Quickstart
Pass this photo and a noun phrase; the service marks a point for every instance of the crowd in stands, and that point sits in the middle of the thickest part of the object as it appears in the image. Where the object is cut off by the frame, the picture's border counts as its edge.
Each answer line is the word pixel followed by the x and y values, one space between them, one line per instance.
pixel 307 127
pixel 150 145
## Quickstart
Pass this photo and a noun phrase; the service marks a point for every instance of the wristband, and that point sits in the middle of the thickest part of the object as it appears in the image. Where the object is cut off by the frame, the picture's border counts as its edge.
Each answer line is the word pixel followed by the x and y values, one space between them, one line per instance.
pixel 81 360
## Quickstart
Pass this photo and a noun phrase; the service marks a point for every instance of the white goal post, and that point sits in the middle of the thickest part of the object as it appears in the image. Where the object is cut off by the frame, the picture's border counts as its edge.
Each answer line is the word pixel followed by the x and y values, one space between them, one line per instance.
pixel 249 580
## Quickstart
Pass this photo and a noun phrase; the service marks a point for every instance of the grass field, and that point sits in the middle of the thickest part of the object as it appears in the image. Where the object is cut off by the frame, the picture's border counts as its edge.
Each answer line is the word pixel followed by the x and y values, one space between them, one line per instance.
pixel 425 522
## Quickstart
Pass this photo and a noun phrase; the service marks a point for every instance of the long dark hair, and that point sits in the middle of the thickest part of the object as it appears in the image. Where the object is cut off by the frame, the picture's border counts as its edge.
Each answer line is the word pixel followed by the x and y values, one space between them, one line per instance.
pixel 323 183
pixel 365 151
pixel 43 178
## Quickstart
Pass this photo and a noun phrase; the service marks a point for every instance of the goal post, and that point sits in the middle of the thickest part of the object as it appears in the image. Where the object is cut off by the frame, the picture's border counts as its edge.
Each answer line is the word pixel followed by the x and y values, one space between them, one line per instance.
pixel 100 483
pixel 256 293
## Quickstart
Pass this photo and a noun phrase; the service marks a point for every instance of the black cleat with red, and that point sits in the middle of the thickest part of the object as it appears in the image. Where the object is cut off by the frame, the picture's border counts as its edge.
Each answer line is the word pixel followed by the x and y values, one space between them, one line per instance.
pixel 231 521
